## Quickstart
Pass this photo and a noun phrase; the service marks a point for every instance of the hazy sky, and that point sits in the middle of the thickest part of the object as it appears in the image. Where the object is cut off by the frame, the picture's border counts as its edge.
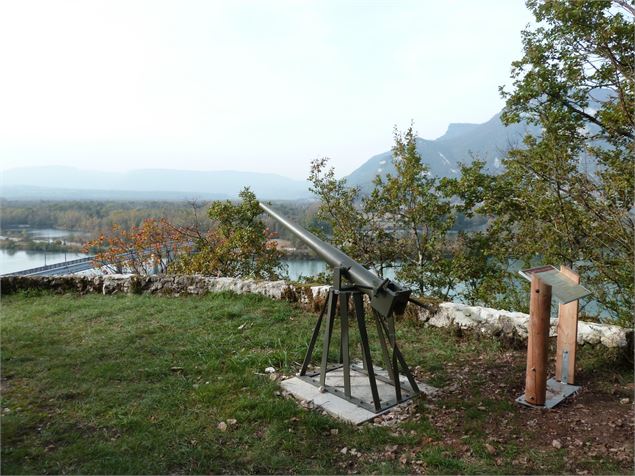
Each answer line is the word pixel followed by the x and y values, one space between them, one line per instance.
pixel 243 85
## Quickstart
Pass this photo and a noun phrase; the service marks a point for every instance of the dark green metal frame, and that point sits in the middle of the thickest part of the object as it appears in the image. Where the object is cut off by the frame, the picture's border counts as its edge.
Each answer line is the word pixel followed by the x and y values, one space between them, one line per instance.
pixel 392 356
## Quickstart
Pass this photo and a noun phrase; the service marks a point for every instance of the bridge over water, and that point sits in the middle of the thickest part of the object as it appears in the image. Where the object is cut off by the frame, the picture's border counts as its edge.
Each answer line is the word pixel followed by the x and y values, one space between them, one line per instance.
pixel 80 265
pixel 66 267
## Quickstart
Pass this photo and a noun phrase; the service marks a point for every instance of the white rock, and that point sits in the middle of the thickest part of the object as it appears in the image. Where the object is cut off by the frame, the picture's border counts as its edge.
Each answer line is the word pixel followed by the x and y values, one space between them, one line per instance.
pixel 485 320
pixel 588 333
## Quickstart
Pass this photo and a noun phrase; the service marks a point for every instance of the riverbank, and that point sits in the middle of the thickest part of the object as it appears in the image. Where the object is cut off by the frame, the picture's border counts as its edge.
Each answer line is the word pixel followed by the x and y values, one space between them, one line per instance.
pixel 52 240
pixel 16 244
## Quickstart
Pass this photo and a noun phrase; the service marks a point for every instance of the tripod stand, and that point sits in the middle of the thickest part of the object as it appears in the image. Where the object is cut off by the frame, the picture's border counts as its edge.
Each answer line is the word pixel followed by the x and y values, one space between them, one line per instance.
pixel 392 356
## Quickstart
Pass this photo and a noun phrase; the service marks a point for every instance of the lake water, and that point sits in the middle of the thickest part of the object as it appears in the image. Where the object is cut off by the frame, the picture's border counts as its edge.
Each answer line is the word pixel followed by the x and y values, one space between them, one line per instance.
pixel 11 261
pixel 297 268
pixel 18 260
pixel 50 234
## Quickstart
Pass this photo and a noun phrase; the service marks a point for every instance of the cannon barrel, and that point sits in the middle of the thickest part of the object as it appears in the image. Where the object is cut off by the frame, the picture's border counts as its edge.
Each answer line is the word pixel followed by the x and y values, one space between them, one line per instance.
pixel 385 296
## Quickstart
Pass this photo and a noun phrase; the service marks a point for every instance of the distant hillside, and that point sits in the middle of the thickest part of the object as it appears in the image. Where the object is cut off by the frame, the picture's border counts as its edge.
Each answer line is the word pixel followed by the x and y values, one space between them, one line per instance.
pixel 67 182
pixel 463 142
pixel 21 192
pixel 460 144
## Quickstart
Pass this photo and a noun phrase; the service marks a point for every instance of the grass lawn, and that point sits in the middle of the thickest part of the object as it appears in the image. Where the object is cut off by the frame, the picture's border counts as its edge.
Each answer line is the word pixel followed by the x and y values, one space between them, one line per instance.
pixel 139 384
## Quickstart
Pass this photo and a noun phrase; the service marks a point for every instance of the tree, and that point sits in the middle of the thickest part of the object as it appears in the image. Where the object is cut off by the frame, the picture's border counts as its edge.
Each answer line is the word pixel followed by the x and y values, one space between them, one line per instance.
pixel 144 249
pixel 566 196
pixel 354 224
pixel 403 223
pixel 412 205
pixel 238 245
pixel 488 260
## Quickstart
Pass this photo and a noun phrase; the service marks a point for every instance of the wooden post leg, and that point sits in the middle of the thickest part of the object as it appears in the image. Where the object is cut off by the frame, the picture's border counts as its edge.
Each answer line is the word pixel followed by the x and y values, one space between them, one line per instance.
pixel 539 312
pixel 567 335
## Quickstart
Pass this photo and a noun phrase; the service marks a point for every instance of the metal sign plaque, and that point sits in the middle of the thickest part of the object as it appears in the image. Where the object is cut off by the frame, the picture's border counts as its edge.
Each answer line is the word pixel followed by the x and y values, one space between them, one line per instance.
pixel 565 289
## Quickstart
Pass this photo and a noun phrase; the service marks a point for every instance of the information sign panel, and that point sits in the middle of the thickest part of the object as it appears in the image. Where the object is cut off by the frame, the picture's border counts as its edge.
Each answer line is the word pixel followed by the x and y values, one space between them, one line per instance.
pixel 563 287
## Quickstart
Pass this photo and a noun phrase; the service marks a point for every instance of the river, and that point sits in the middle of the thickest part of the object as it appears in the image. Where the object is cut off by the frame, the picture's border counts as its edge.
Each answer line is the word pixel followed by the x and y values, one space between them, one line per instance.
pixel 18 260
pixel 12 261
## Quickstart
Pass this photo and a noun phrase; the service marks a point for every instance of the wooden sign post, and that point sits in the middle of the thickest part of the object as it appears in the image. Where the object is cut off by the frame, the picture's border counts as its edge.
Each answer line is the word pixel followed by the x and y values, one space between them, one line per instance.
pixel 567 334
pixel 564 285
pixel 537 342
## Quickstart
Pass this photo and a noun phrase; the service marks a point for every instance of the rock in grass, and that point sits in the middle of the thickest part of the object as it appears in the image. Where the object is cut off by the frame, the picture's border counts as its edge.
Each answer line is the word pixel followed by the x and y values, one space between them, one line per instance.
pixel 222 426
pixel 556 444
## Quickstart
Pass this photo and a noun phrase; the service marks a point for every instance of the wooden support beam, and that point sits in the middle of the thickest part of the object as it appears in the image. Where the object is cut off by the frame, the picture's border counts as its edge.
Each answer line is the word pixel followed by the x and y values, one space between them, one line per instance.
pixel 539 313
pixel 567 334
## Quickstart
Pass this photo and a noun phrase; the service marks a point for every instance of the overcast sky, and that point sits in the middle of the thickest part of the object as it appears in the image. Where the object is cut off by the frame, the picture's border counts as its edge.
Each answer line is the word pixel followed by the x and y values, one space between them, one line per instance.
pixel 243 85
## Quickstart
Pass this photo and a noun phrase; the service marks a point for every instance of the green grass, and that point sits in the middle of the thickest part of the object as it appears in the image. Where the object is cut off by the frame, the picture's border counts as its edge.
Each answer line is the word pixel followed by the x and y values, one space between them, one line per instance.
pixel 138 384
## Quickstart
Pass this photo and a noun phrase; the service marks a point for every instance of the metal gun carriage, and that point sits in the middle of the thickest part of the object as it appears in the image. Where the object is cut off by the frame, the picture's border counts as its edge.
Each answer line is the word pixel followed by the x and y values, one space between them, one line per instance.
pixel 386 298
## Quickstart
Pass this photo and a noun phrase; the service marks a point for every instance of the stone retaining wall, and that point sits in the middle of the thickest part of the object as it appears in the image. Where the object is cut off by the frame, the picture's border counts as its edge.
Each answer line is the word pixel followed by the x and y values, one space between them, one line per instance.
pixel 493 322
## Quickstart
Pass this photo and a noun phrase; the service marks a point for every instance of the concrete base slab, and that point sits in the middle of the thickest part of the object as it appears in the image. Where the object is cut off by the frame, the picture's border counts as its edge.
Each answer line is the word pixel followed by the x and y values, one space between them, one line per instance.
pixel 307 388
pixel 557 392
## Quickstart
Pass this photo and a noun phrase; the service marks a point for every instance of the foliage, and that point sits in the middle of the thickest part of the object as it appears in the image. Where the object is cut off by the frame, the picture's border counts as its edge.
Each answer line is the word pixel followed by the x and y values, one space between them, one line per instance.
pixel 412 205
pixel 405 224
pixel 91 216
pixel 143 249
pixel 237 245
pixel 354 222
pixel 567 196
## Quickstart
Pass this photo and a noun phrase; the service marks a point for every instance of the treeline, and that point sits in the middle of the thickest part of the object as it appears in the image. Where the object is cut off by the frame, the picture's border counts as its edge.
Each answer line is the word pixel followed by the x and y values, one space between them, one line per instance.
pixel 93 217
pixel 99 217
pixel 32 245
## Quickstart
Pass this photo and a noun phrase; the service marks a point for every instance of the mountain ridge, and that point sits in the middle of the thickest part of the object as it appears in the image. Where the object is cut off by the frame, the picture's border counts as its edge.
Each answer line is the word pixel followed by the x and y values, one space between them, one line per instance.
pixel 152 182
pixel 461 143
